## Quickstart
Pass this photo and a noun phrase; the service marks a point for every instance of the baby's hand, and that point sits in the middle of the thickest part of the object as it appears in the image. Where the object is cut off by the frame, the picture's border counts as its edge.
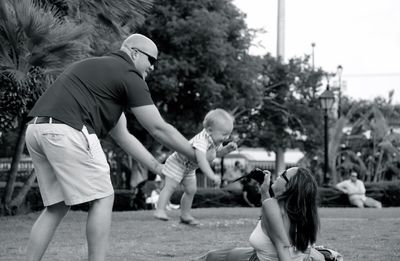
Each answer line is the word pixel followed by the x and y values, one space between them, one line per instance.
pixel 231 146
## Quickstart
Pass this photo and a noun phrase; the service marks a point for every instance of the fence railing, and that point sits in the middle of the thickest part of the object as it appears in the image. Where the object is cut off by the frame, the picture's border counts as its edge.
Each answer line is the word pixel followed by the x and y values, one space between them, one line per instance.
pixel 25 167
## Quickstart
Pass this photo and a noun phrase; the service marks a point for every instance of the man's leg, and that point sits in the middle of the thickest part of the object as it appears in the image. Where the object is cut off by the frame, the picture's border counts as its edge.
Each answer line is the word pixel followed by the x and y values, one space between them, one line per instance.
pixel 98 227
pixel 163 199
pixel 357 202
pixel 372 203
pixel 43 230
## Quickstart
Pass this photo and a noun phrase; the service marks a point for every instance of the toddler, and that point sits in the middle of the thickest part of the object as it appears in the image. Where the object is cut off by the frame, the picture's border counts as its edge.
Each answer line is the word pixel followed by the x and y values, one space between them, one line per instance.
pixel 178 169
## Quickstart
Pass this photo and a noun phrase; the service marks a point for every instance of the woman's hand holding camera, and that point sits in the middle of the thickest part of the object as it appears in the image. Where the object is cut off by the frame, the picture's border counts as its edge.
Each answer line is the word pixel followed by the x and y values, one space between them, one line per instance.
pixel 265 186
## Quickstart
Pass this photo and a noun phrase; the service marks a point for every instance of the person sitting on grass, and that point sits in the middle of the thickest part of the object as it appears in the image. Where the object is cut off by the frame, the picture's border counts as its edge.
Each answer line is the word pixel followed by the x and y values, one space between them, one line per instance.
pixel 218 126
pixel 251 193
pixel 288 225
pixel 355 190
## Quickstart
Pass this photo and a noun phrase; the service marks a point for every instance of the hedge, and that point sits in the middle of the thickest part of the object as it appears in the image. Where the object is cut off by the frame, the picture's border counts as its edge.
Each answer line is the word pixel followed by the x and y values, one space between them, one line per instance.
pixel 387 192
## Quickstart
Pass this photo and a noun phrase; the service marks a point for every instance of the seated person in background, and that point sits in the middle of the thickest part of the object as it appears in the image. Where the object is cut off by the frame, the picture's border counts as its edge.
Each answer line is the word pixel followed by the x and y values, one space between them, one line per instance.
pixel 143 191
pixel 288 226
pixel 355 190
pixel 251 192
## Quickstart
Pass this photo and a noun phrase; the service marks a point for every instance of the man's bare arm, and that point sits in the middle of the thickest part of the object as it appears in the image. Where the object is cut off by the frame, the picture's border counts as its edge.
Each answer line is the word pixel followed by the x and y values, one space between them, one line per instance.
pixel 131 145
pixel 150 118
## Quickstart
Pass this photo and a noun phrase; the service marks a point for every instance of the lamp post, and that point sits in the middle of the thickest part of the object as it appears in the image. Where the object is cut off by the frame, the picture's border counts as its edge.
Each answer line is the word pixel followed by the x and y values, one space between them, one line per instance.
pixel 327 98
pixel 339 74
pixel 312 55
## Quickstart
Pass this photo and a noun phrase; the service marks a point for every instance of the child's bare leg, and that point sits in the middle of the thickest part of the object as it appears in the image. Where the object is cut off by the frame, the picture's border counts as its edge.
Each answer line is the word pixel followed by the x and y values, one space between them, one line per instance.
pixel 190 188
pixel 163 200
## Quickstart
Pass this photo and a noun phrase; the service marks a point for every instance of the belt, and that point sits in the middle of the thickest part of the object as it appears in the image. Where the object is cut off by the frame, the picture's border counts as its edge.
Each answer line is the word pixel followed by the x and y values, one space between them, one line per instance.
pixel 44 119
pixel 51 120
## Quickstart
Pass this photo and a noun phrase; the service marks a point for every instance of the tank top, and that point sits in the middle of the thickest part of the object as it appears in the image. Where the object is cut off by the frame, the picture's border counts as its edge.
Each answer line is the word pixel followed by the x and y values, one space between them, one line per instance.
pixel 265 249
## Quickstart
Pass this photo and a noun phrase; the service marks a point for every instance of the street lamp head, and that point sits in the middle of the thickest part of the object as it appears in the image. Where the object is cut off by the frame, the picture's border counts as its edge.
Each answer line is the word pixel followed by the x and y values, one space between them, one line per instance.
pixel 327 98
pixel 339 70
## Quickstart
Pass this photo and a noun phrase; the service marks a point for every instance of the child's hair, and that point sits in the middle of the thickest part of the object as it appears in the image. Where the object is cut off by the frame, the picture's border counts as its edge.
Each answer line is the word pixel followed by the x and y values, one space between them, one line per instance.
pixel 216 115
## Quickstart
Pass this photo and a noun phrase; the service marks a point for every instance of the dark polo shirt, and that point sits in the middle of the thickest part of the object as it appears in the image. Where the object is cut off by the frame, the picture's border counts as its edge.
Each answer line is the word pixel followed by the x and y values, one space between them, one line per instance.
pixel 94 92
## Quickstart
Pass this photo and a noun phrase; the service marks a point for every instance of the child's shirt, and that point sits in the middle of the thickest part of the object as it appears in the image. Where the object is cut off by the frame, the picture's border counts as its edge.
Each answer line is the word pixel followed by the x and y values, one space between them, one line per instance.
pixel 201 142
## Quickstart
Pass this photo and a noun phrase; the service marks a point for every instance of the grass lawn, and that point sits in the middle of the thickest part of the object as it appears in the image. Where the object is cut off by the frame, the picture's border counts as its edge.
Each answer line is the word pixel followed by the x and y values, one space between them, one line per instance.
pixel 359 234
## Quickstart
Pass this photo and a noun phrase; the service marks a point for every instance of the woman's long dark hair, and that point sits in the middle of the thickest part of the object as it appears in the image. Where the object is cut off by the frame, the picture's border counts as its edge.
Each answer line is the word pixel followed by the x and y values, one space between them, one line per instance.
pixel 300 203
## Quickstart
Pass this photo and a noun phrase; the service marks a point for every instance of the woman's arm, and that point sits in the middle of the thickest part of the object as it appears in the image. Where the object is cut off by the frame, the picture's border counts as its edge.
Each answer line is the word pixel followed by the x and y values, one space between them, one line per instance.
pixel 264 189
pixel 272 223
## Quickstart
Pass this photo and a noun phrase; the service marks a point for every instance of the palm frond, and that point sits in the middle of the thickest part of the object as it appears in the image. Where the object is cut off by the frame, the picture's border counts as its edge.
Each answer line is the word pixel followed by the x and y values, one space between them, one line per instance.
pixel 9 34
pixel 125 11
pixel 3 12
pixel 379 123
pixel 33 35
pixel 111 14
pixel 34 21
pixel 6 62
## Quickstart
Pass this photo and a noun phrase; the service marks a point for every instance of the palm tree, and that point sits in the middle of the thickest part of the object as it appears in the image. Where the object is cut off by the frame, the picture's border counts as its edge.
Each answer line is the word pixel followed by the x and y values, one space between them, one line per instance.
pixel 380 148
pixel 35 45
pixel 111 21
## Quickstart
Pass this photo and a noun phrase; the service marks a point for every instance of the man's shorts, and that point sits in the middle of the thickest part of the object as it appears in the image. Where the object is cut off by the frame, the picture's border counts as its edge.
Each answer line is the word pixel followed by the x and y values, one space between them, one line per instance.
pixel 70 165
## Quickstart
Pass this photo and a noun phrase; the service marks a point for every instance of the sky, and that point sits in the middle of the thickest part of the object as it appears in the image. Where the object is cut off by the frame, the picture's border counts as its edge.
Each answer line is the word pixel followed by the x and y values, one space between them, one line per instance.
pixel 363 36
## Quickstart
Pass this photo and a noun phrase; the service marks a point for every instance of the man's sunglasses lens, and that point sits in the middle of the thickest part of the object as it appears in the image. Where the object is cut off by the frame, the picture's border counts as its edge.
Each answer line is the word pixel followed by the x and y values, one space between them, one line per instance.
pixel 151 59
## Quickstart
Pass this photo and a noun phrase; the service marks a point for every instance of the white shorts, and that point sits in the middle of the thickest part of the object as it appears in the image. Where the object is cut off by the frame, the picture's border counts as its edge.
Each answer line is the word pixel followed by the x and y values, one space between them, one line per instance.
pixel 70 165
pixel 177 170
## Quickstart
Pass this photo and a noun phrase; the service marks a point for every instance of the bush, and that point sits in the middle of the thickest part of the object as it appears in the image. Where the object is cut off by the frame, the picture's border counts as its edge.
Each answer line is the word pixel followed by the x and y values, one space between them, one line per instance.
pixel 207 198
pixel 387 192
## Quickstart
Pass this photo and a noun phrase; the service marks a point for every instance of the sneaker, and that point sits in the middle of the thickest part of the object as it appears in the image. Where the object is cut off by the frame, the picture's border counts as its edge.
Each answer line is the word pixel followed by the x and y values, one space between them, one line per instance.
pixel 172 206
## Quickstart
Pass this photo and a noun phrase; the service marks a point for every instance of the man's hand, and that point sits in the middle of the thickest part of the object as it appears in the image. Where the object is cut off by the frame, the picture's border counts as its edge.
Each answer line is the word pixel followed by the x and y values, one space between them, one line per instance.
pixel 159 169
pixel 217 180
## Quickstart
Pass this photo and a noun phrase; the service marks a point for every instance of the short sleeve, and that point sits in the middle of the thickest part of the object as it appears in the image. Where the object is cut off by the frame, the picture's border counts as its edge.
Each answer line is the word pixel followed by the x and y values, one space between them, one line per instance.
pixel 137 91
pixel 200 142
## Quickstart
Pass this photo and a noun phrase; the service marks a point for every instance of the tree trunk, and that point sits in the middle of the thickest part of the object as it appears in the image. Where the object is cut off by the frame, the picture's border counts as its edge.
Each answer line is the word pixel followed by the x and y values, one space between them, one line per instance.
pixel 20 198
pixel 378 167
pixel 279 160
pixel 12 174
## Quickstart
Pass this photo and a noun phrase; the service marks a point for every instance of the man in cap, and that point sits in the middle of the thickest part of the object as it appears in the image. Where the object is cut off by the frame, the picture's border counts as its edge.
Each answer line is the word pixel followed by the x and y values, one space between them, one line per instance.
pixel 86 103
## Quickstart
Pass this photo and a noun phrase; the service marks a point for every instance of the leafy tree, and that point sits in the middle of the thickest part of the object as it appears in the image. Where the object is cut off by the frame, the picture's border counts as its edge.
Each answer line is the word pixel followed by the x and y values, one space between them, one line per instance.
pixel 38 42
pixel 110 21
pixel 203 62
pixel 286 117
pixel 370 147
pixel 33 44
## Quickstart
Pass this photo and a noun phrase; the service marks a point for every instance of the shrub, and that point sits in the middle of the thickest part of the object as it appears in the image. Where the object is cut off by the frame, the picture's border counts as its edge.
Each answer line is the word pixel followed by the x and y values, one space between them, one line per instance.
pixel 387 192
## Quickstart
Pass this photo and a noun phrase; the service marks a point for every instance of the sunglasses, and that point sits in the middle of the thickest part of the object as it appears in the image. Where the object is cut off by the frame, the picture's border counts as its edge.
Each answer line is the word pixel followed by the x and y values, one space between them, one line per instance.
pixel 283 175
pixel 151 59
